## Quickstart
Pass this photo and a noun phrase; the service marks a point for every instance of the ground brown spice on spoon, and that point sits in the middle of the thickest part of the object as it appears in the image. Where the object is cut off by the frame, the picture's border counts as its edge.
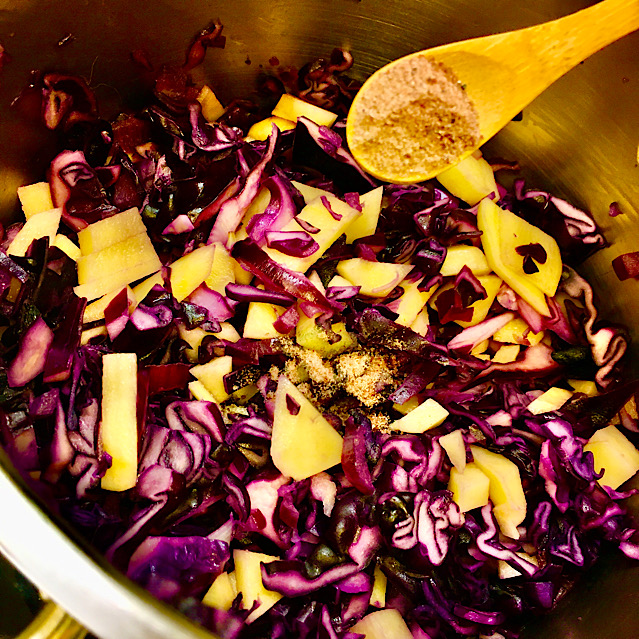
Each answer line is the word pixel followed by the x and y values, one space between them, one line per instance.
pixel 416 117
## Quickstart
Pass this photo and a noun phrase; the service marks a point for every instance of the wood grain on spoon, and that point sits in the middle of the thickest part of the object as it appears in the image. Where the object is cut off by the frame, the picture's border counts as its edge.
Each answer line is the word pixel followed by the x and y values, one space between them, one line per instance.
pixel 396 129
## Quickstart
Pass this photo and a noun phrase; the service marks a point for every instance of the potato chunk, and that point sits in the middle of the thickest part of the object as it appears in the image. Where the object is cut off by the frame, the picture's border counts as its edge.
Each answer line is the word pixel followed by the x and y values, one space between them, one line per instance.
pixel 303 443
pixel 119 426
pixel 614 454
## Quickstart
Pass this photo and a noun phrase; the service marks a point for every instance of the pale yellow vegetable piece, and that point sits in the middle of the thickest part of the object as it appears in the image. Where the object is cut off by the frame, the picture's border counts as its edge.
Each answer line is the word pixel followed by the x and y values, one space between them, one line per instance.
pixel 470 180
pixel 491 284
pixel 506 571
pixel 222 269
pixel 262 129
pixel 222 592
pixel 421 323
pixel 212 108
pixel 366 223
pixel 257 206
pixel 517 331
pixel 411 302
pixel 585 386
pixel 119 426
pixel 242 395
pixel 290 108
pixel 200 392
pixel 110 230
pixel 115 281
pixel 39 225
pixel 95 311
pixel 453 444
pixel 480 348
pixel 67 246
pixel 615 455
pixel 35 198
pixel 189 271
pixel 378 593
pixel 303 443
pixel 137 249
pixel 506 354
pixel 407 406
pixel 309 193
pixel 461 255
pixel 553 399
pixel 193 337
pixel 429 414
pixel 506 490
pixel 317 215
pixel 259 320
pixel 503 233
pixel 309 335
pixel 89 333
pixel 212 375
pixel 383 624
pixel 141 290
pixel 248 579
pixel 338 280
pixel 470 489
pixel 376 279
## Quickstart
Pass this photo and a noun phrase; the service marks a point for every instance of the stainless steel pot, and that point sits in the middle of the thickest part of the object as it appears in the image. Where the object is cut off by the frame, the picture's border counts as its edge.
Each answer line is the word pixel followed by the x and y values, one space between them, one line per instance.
pixel 580 138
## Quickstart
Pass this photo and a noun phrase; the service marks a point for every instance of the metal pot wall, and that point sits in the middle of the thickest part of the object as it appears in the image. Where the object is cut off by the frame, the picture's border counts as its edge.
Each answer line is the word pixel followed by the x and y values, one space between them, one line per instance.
pixel 580 138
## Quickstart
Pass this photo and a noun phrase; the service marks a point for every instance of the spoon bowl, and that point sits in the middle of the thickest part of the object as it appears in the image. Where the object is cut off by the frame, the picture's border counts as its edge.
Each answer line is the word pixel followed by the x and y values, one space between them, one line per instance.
pixel 500 75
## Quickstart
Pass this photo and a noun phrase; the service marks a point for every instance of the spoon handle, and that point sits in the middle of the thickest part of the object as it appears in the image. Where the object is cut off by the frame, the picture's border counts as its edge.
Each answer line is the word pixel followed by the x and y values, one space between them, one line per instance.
pixel 566 42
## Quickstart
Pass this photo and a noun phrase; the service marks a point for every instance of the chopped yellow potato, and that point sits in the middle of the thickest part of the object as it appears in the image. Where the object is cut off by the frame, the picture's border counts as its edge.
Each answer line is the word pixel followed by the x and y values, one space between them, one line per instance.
pixel 411 302
pixel 470 180
pixel 470 488
pixel 309 335
pixel 503 233
pixel 378 593
pixel 35 198
pixel 303 443
pixel 110 230
pixel 40 225
pixel 222 592
pixel 506 490
pixel 189 271
pixel 429 414
pixel 259 320
pixel 212 375
pixel 200 392
pixel 615 455
pixel 212 108
pixel 262 129
pixel 119 426
pixel 248 579
pixel 453 444
pixel 67 246
pixel 116 281
pixel 290 108
pixel 376 279
pixel 136 249
pixel 517 331
pixel 317 215
pixel 506 571
pixel 383 624
pixel 585 386
pixel 553 399
pixel 506 354
pixel 459 256
pixel 366 223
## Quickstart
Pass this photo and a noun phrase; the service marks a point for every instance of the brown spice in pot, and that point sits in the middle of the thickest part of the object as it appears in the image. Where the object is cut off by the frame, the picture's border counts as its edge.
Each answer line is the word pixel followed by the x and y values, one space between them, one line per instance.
pixel 415 118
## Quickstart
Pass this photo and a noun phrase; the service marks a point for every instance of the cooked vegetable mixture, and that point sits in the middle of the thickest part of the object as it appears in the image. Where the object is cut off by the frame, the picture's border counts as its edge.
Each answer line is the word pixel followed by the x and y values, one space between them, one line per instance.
pixel 294 402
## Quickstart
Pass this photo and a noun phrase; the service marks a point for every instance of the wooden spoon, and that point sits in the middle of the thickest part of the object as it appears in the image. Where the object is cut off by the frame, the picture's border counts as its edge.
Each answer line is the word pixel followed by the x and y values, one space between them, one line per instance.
pixel 500 74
